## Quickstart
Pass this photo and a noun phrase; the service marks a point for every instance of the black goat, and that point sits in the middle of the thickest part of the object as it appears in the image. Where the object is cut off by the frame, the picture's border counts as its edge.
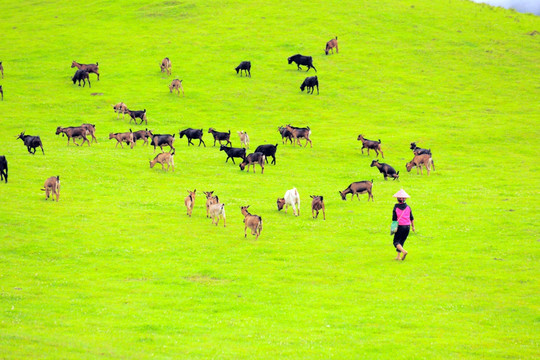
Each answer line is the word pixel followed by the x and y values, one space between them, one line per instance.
pixel 31 142
pixel 193 134
pixel 162 140
pixel 310 82
pixel 137 114
pixel 233 152
pixel 268 150
pixel 285 134
pixel 220 136
pixel 302 60
pixel 3 168
pixel 81 75
pixel 244 66
pixel 419 151
pixel 386 170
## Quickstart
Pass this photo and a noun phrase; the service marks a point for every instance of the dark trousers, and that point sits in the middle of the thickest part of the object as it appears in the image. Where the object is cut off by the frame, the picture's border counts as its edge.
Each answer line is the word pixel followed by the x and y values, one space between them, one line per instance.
pixel 401 235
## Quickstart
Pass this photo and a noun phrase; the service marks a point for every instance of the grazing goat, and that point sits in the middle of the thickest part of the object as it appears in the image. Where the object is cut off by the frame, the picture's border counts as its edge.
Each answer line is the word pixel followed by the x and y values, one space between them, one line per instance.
pixel 310 82
pixel 291 198
pixel 370 144
pixel 120 108
pixel 268 150
pixel 252 159
pixel 285 134
pixel 244 138
pixel 73 133
pixel 3 169
pixel 331 45
pixel 137 114
pixel 2 92
pixel 163 158
pixel 220 136
pixel 176 85
pixel 162 140
pixel 299 133
pixel 419 151
pixel 244 66
pixel 2 69
pixel 418 161
pixel 166 66
pixel 357 188
pixel 142 134
pixel 90 130
pixel 217 211
pixel 126 137
pixel 302 60
pixel 385 169
pixel 189 201
pixel 254 222
pixel 233 152
pixel 81 75
pixel 317 204
pixel 52 186
pixel 210 200
pixel 31 142
pixel 193 134
pixel 90 68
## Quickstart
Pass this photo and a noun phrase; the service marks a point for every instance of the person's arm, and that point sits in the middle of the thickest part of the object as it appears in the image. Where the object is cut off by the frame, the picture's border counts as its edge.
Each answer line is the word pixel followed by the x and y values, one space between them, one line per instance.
pixel 412 225
pixel 394 214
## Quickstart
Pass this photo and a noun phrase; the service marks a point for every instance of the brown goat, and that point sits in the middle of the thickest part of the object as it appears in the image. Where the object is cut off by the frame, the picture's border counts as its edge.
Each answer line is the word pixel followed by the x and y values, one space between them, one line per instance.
pixel 252 159
pixel 2 92
pixel 418 161
pixel 356 188
pixel 370 144
pixel 299 133
pixel 217 211
pixel 52 186
pixel 73 133
pixel 210 200
pixel 331 45
pixel 164 158
pixel 177 85
pixel 317 204
pixel 120 108
pixel 91 68
pixel 254 222
pixel 142 134
pixel 166 66
pixel 90 130
pixel 2 69
pixel 122 137
pixel 189 201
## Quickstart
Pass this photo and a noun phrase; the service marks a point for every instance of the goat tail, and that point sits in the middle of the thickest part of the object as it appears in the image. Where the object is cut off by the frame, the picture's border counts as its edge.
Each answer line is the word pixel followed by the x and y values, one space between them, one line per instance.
pixel 260 224
pixel 380 141
pixel 432 163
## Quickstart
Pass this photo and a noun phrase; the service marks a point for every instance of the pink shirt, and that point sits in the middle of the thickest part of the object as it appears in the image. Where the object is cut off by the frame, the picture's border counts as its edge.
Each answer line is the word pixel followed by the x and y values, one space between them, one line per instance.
pixel 404 216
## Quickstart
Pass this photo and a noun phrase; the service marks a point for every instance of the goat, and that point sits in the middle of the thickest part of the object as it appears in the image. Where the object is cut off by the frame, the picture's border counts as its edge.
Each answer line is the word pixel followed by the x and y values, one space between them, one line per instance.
pixel 419 151
pixel 2 92
pixel 189 201
pixel 310 82
pixel 254 222
pixel 268 150
pixel 2 69
pixel 166 66
pixel 120 108
pixel 73 133
pixel 137 114
pixel 299 133
pixel 291 198
pixel 90 130
pixel 385 169
pixel 142 134
pixel 302 60
pixel 317 204
pixel 244 66
pixel 418 161
pixel 210 200
pixel 81 75
pixel 252 159
pixel 3 169
pixel 52 186
pixel 217 211
pixel 126 137
pixel 163 158
pixel 177 85
pixel 193 134
pixel 330 45
pixel 233 152
pixel 162 140
pixel 370 144
pixel 220 136
pixel 31 142
pixel 285 134
pixel 244 138
pixel 90 68
pixel 356 188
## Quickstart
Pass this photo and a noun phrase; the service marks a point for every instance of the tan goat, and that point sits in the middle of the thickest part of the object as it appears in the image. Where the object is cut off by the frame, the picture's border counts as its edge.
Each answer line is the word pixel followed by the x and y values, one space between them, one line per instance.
pixel 166 66
pixel 189 201
pixel 120 108
pixel 419 160
pixel 244 139
pixel 254 222
pixel 317 204
pixel 217 211
pixel 210 200
pixel 52 186
pixel 164 158
pixel 126 137
pixel 176 85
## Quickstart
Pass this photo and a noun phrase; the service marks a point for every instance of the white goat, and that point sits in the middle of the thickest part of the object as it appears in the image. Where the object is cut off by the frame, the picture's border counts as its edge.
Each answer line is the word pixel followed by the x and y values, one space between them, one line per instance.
pixel 291 198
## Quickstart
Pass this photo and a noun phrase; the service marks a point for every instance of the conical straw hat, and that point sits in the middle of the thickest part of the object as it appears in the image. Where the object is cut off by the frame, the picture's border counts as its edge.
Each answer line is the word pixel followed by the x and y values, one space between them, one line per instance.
pixel 401 194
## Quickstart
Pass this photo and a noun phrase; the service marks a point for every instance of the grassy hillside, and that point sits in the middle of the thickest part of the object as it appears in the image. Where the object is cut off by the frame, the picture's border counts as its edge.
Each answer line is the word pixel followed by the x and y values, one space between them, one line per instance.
pixel 116 269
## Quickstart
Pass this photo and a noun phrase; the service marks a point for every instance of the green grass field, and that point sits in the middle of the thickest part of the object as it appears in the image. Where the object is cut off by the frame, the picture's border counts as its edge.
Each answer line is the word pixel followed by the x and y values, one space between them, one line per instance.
pixel 117 270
